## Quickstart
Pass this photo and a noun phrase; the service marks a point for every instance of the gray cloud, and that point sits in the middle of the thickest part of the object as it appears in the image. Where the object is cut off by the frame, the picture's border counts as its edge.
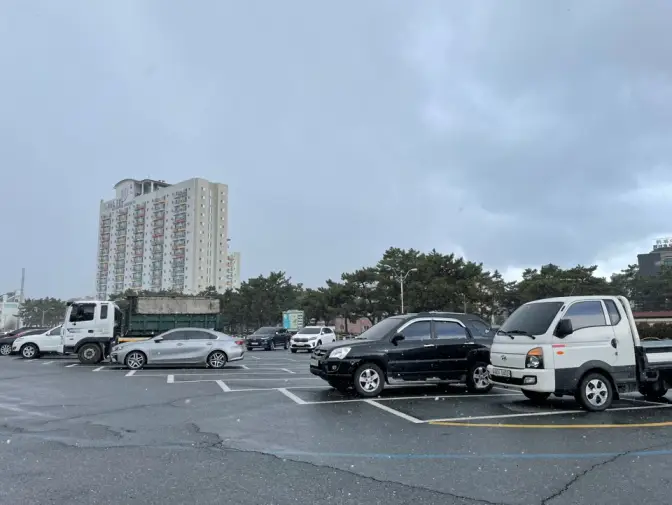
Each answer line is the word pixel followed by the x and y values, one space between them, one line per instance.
pixel 512 132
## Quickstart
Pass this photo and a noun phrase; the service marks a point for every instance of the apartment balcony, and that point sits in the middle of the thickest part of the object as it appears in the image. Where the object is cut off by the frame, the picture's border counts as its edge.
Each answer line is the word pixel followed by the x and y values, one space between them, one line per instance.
pixel 179 207
pixel 179 200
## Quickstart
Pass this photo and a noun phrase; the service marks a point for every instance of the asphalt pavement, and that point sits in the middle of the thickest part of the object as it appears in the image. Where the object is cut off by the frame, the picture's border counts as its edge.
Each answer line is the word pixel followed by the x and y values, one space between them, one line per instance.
pixel 265 431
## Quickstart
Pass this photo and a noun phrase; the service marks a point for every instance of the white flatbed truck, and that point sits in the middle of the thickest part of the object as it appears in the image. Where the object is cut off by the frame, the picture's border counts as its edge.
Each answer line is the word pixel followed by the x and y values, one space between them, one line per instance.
pixel 584 346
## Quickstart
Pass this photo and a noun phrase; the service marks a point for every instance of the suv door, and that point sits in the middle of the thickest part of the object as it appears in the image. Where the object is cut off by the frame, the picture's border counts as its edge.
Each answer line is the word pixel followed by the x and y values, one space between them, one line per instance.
pixel 281 336
pixel 328 335
pixel 413 358
pixel 453 343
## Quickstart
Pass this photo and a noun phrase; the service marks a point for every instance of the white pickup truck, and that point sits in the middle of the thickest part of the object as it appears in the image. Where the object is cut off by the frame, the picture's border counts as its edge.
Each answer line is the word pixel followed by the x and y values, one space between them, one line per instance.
pixel 584 346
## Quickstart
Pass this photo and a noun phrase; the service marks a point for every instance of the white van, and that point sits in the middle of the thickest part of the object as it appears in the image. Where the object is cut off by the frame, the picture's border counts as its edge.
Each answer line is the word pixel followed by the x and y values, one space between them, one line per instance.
pixel 584 346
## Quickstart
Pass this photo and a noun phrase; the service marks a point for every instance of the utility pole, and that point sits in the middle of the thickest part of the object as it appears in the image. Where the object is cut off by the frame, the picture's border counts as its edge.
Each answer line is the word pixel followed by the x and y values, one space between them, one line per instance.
pixel 401 278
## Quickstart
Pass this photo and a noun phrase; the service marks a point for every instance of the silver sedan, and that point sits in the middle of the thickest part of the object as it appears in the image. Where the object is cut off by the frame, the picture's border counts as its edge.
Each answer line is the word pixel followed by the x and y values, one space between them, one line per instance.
pixel 180 346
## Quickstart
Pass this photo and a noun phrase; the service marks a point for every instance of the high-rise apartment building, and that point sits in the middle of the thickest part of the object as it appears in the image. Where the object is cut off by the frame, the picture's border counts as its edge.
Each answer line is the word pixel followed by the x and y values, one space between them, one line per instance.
pixel 232 271
pixel 650 263
pixel 157 236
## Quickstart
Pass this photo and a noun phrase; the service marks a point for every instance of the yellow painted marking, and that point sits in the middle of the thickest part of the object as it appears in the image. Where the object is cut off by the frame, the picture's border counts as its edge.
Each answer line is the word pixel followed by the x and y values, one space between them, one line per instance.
pixel 552 426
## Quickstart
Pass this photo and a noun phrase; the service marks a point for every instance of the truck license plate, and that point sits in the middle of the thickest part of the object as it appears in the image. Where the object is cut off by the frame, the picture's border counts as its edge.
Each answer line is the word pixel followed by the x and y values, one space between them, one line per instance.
pixel 501 372
pixel 313 362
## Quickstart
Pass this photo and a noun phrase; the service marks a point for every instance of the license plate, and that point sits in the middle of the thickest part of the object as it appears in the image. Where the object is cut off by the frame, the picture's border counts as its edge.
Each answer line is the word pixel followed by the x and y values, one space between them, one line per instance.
pixel 313 362
pixel 501 372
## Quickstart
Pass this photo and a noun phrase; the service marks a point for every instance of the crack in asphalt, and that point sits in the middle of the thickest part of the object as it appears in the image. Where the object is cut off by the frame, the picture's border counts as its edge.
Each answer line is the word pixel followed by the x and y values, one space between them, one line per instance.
pixel 224 448
pixel 582 474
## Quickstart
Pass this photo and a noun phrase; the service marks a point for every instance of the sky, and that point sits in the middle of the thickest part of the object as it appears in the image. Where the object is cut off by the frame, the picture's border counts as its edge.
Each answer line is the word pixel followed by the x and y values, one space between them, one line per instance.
pixel 514 133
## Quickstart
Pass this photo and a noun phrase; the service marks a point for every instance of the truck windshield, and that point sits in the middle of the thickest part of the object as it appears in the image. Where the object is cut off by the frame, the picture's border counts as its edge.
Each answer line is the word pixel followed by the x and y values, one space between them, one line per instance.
pixel 381 329
pixel 532 318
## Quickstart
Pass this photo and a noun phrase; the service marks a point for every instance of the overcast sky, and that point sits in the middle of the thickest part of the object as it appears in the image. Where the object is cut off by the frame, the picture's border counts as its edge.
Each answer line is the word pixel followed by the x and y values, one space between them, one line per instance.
pixel 516 133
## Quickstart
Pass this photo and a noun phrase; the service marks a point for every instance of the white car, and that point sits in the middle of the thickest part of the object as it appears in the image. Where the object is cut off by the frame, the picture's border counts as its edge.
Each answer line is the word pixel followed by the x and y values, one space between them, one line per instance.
pixel 32 346
pixel 310 337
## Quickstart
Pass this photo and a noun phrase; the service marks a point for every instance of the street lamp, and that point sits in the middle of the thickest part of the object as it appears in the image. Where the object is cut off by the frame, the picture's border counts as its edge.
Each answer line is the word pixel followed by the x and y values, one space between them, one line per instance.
pixel 401 278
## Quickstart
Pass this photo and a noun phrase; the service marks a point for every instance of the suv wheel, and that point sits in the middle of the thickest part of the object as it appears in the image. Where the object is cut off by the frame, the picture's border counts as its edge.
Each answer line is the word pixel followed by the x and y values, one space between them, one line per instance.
pixel 478 379
pixel 271 346
pixel 5 349
pixel 369 380
pixel 29 351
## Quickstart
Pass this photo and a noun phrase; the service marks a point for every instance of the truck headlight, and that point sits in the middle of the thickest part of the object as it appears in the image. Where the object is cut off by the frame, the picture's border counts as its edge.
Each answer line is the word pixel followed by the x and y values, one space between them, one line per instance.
pixel 339 353
pixel 535 358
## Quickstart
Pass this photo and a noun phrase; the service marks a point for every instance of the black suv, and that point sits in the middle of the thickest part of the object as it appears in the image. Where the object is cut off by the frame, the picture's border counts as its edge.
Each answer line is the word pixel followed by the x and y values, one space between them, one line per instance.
pixel 269 337
pixel 412 347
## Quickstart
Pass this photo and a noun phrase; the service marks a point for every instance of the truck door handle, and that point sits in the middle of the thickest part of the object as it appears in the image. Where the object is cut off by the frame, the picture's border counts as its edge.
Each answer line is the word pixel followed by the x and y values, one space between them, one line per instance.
pixel 430 345
pixel 90 331
pixel 614 343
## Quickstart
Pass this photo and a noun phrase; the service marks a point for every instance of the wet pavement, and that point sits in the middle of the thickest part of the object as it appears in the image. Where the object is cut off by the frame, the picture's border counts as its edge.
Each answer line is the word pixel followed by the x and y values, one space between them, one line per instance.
pixel 266 431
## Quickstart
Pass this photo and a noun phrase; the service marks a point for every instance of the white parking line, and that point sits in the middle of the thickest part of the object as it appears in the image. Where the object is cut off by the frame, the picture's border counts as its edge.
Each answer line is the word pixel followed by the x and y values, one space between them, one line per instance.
pixel 170 379
pixel 276 379
pixel 291 396
pixel 244 367
pixel 429 397
pixel 275 389
pixel 224 387
pixel 552 413
pixel 253 357
pixel 131 373
pixel 70 366
pixel 98 369
pixel 14 408
pixel 395 412
pixel 46 362
pixel 287 370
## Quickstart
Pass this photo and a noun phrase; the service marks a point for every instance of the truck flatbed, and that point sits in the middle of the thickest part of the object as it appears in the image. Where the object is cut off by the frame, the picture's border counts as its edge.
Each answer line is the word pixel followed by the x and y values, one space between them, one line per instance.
pixel 658 352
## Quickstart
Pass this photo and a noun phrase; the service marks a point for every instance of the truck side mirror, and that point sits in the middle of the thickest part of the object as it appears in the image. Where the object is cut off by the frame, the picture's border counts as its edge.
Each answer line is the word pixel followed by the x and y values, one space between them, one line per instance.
pixel 564 328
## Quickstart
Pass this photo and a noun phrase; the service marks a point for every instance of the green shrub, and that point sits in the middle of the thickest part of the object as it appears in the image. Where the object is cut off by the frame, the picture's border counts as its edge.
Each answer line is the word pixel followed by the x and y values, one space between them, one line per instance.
pixel 655 331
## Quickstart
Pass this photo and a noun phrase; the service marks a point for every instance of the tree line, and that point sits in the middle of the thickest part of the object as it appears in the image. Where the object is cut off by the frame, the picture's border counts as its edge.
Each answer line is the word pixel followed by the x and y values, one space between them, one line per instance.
pixel 432 282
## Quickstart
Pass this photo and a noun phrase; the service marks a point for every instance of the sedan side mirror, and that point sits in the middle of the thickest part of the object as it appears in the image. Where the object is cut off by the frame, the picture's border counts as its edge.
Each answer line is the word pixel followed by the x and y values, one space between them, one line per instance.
pixel 397 338
pixel 158 340
pixel 564 328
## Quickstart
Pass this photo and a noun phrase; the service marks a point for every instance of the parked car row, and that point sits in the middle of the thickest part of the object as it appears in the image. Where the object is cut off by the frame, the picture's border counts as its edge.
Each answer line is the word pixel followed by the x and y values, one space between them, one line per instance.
pixel 587 347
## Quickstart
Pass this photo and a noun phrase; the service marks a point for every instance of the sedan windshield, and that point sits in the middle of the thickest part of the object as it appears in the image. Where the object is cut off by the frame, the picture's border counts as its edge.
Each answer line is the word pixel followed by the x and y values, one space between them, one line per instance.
pixel 379 330
pixel 531 319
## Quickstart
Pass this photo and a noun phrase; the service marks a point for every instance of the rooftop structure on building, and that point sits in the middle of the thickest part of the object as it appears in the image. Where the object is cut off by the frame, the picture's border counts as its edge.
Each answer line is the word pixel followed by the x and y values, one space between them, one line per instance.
pixel 157 236
pixel 650 263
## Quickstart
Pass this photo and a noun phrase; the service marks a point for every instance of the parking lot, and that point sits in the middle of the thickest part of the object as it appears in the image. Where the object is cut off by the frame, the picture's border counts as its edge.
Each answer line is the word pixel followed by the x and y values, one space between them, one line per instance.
pixel 285 433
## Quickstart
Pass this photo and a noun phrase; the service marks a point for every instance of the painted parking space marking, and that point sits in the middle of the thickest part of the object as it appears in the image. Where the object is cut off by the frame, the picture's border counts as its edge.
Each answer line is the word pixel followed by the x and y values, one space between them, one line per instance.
pixel 70 366
pixel 47 362
pixel 224 387
pixel 98 369
pixel 394 412
pixel 170 379
pixel 131 373
pixel 393 398
pixel 291 396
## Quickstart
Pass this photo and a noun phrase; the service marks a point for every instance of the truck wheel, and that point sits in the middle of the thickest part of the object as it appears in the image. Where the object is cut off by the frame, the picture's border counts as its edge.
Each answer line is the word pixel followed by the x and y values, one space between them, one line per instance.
pixel 30 351
pixel 217 359
pixel 478 379
pixel 90 354
pixel 5 349
pixel 654 390
pixel 369 380
pixel 135 360
pixel 595 393
pixel 536 396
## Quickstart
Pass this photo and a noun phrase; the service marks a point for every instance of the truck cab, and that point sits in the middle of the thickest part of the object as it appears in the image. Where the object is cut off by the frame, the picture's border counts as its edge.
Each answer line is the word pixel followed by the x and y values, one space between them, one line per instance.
pixel 584 346
pixel 89 328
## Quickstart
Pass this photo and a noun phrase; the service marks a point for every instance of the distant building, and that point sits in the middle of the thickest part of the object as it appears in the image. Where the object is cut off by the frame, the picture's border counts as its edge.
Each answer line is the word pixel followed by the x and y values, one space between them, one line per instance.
pixel 158 236
pixel 232 271
pixel 9 311
pixel 359 326
pixel 650 263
